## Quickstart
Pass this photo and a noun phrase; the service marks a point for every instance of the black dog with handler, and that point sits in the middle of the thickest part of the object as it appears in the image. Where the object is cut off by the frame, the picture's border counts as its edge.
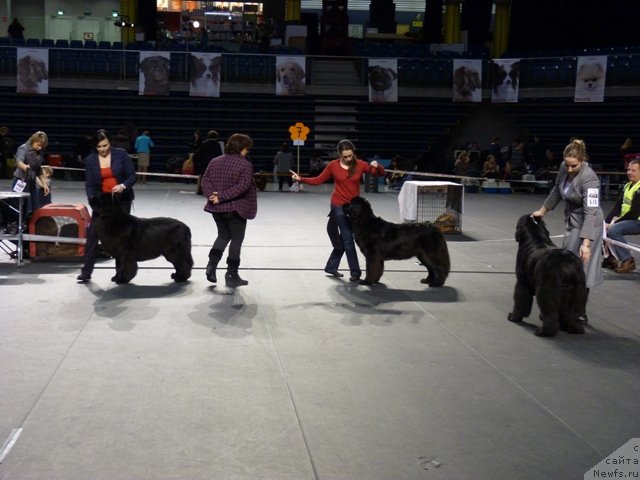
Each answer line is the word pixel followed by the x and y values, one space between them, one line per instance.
pixel 553 275
pixel 380 240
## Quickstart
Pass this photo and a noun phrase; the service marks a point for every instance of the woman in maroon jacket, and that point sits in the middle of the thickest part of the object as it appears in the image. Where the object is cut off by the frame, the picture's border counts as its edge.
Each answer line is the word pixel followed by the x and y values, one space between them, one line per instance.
pixel 228 186
pixel 347 172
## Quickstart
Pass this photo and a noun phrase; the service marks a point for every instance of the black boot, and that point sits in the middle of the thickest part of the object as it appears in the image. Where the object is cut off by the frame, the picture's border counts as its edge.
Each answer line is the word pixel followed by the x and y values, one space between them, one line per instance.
pixel 231 278
pixel 214 257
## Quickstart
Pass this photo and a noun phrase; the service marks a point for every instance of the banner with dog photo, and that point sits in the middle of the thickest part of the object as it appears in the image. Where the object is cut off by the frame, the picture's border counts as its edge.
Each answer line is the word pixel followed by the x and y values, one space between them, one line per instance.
pixel 204 78
pixel 290 75
pixel 32 72
pixel 467 80
pixel 591 74
pixel 383 80
pixel 505 80
pixel 154 73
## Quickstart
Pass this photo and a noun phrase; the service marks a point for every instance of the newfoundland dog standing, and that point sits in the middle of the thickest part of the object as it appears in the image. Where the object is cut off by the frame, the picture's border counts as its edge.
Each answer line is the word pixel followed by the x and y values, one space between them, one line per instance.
pixel 554 275
pixel 131 239
pixel 380 240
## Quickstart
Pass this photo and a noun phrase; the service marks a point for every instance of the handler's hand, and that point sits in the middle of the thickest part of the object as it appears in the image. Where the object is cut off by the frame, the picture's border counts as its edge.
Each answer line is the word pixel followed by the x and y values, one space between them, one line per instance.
pixel 214 198
pixel 537 214
pixel 374 164
pixel 585 253
pixel 295 176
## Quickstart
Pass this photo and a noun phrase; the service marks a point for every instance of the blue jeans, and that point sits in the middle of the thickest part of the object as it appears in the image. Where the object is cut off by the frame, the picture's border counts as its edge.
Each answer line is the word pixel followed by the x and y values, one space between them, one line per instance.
pixel 617 231
pixel 339 230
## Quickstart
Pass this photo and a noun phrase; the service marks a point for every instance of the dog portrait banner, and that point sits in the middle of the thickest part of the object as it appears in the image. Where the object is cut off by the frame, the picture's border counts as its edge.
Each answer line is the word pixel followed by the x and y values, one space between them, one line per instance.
pixel 505 80
pixel 591 74
pixel 467 80
pixel 290 75
pixel 383 80
pixel 32 72
pixel 154 73
pixel 204 77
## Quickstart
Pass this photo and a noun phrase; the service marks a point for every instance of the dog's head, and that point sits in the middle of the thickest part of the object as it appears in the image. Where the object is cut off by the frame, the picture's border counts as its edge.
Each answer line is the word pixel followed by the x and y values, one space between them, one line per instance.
pixel 358 210
pixel 290 74
pixel 32 71
pixel 156 73
pixel 381 78
pixel 591 76
pixel 506 77
pixel 205 70
pixel 107 204
pixel 530 228
pixel 466 81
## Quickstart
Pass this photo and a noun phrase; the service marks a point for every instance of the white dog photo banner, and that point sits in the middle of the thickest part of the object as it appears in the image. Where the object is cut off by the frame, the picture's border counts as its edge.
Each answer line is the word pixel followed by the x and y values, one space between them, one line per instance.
pixel 383 80
pixel 467 80
pixel 204 76
pixel 290 75
pixel 32 71
pixel 591 75
pixel 505 80
pixel 154 73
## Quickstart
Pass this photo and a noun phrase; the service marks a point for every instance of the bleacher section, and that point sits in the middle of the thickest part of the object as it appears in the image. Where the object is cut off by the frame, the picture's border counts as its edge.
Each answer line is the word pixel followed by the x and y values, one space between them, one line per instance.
pixel 418 119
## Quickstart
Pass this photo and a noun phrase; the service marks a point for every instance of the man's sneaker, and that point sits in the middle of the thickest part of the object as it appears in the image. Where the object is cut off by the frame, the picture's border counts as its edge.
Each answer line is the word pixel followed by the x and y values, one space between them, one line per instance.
pixel 629 265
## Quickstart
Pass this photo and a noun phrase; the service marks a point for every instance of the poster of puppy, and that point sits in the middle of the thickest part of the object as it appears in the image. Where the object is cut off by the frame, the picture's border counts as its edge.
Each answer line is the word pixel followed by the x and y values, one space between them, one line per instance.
pixel 205 74
pixel 505 80
pixel 467 80
pixel 383 80
pixel 290 75
pixel 32 71
pixel 591 74
pixel 154 73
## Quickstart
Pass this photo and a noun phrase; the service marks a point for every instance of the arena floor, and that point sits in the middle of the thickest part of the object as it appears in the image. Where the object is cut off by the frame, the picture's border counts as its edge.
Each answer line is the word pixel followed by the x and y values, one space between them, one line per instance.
pixel 303 376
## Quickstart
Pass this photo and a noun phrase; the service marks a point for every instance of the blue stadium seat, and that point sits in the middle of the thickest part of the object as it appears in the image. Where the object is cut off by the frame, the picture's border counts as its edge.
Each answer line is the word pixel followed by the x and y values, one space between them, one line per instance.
pixel 61 43
pixel 32 42
pixel 103 45
pixel 76 44
pixel 47 43
pixel 91 44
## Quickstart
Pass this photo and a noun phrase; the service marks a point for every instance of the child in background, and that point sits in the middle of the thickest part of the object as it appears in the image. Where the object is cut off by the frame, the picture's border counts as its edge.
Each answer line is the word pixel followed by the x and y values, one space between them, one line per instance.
pixel 40 198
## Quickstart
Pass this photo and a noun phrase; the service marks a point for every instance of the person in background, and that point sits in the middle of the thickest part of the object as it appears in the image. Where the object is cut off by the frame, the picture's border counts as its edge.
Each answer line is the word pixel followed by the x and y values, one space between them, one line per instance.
pixel 195 142
pixel 579 186
pixel 29 161
pixel 109 170
pixel 283 163
pixel 143 147
pixel 490 168
pixel 347 172
pixel 42 198
pixel 4 131
pixel 16 30
pixel 231 194
pixel 624 219
pixel 207 151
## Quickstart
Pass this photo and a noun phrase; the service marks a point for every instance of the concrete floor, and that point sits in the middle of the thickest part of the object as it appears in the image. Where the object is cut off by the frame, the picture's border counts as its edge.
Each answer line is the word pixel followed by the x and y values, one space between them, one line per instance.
pixel 303 376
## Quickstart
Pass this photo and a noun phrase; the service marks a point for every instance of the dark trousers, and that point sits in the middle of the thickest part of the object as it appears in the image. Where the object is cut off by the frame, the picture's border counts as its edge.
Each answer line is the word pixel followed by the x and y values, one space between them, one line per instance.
pixel 91 245
pixel 341 236
pixel 282 179
pixel 231 229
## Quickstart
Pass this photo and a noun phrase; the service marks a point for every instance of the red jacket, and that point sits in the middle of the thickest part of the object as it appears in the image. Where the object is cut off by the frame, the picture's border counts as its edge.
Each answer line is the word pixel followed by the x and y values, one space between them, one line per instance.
pixel 346 188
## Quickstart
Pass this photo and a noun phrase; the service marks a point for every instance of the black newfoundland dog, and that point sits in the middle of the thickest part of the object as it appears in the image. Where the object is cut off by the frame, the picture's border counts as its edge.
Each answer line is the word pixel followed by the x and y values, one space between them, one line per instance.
pixel 131 240
pixel 554 275
pixel 380 240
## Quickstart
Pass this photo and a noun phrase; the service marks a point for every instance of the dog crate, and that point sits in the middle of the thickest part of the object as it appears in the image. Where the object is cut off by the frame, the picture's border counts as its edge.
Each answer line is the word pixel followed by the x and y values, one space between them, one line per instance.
pixel 438 202
pixel 59 220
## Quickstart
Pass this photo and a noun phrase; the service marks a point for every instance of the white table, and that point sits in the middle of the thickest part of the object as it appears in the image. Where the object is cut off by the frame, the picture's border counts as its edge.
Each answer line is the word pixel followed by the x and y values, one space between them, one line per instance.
pixel 5 198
